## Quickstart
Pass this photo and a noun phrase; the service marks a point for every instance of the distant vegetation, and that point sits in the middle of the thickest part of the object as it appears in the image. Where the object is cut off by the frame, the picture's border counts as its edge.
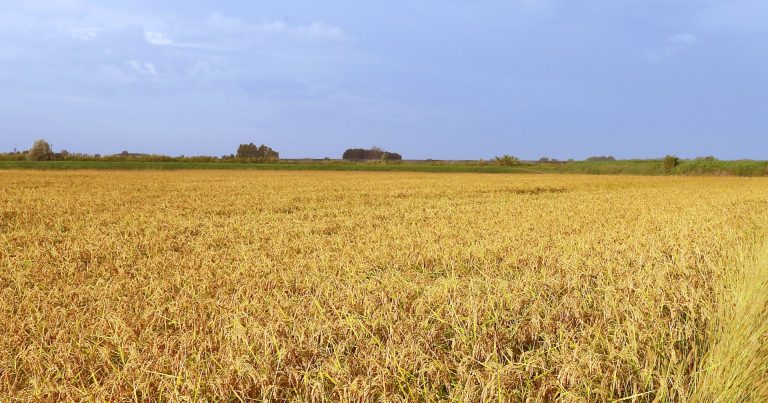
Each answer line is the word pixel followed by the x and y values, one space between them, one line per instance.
pixel 506 161
pixel 262 152
pixel 374 153
pixel 601 159
pixel 671 162
pixel 249 156
pixel 43 151
pixel 547 160
pixel 40 151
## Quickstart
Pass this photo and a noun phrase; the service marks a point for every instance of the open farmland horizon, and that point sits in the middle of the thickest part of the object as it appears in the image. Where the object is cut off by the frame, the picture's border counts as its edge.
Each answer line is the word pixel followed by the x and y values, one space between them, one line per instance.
pixel 656 167
pixel 384 201
pixel 396 286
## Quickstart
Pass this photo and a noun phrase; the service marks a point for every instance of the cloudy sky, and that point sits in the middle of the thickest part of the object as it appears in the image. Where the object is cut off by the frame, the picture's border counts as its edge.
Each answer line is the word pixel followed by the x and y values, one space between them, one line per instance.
pixel 426 78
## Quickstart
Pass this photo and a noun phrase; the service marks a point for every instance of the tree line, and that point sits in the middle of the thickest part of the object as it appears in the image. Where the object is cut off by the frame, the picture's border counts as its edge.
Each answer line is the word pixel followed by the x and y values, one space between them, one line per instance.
pixel 41 150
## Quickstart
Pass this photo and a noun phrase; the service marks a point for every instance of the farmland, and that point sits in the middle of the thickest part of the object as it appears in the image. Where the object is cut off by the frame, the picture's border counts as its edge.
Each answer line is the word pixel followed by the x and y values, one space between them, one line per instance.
pixel 745 168
pixel 298 285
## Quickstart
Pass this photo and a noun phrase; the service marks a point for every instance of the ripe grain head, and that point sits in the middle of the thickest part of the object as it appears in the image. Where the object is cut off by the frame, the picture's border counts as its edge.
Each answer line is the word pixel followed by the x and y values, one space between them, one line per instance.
pixel 365 286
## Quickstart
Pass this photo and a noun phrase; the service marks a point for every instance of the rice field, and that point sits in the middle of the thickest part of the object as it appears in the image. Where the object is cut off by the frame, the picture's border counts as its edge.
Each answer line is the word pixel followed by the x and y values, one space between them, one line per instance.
pixel 381 286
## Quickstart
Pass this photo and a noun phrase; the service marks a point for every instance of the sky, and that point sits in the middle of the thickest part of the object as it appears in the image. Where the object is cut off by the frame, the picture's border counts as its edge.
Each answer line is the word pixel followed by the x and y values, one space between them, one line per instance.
pixel 441 79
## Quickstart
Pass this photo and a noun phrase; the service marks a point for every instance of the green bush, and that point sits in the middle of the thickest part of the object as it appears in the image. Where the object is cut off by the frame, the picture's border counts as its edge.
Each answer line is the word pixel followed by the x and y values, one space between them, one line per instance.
pixel 506 160
pixel 670 162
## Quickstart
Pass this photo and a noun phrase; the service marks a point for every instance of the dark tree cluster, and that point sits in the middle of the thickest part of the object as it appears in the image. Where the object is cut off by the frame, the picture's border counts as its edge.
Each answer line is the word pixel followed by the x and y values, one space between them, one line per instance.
pixel 374 153
pixel 601 159
pixel 260 152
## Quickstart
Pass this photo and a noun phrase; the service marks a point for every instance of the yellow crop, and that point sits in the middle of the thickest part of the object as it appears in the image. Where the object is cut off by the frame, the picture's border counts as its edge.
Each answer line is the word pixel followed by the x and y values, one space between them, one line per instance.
pixel 196 285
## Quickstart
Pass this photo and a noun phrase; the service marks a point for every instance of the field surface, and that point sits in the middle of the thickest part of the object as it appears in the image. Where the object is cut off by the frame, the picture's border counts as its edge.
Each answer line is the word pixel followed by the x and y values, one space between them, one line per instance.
pixel 240 285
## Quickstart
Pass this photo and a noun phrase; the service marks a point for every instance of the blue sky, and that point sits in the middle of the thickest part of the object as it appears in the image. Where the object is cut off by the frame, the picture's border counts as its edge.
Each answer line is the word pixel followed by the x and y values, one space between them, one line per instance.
pixel 426 78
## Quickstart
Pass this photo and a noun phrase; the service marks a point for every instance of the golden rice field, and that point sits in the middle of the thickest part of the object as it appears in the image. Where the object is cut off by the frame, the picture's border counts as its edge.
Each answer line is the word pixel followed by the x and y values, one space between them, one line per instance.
pixel 307 286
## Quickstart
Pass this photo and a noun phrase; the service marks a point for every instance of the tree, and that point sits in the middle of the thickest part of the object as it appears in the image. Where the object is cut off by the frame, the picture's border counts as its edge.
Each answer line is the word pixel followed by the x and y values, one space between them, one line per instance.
pixel 375 153
pixel 40 151
pixel 247 151
pixel 506 160
pixel 670 162
pixel 267 153
pixel 260 152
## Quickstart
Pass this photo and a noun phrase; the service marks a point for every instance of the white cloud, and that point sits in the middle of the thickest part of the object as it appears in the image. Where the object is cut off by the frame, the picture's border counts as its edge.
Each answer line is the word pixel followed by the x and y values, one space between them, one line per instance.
pixel 272 38
pixel 314 30
pixel 159 39
pixel 319 30
pixel 216 20
pixel 273 26
pixel 84 34
pixel 220 53
pixel 150 68
pixel 143 68
pixel 672 46
pixel 156 38
pixel 682 40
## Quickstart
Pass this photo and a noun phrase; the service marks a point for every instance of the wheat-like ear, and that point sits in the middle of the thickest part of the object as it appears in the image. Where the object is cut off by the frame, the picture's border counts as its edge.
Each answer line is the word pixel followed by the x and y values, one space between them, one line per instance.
pixel 735 368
